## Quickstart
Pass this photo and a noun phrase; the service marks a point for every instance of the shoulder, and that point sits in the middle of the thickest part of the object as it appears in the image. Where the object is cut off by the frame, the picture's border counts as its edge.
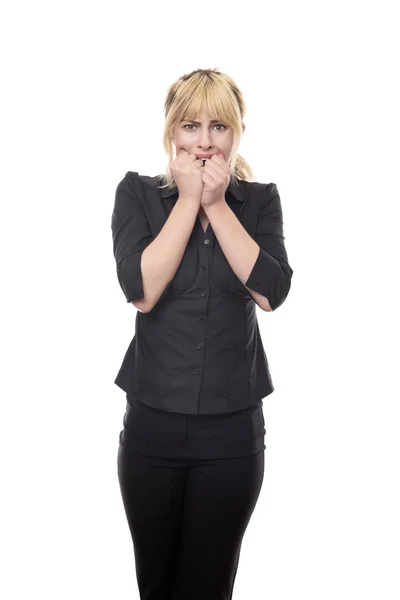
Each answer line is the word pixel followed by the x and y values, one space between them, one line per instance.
pixel 144 185
pixel 263 189
pixel 140 184
pixel 126 184
pixel 128 194
pixel 137 187
pixel 261 193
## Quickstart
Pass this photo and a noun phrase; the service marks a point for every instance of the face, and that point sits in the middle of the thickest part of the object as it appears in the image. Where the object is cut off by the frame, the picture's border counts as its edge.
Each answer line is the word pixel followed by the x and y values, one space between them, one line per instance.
pixel 203 137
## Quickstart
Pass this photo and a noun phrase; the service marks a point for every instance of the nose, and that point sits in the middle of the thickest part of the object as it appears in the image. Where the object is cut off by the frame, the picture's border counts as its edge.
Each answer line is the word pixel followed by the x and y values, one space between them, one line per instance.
pixel 205 139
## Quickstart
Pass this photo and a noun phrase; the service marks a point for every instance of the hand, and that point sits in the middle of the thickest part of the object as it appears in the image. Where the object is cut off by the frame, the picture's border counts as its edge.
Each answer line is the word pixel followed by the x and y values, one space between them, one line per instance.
pixel 216 177
pixel 187 172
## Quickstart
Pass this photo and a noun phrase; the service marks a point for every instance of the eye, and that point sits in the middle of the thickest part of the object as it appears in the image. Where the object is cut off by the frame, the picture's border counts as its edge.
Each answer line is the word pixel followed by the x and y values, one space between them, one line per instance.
pixel 193 125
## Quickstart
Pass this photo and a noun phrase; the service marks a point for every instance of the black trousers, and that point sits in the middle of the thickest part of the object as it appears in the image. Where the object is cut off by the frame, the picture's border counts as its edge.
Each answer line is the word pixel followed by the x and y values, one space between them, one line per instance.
pixel 187 518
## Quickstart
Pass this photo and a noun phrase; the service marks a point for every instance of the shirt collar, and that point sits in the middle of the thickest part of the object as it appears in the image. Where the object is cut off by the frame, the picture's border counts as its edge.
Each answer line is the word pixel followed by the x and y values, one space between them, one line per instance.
pixel 237 188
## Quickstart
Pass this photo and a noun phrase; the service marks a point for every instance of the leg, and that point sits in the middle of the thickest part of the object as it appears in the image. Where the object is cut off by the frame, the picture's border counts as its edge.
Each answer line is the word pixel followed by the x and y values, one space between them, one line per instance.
pixel 152 492
pixel 219 500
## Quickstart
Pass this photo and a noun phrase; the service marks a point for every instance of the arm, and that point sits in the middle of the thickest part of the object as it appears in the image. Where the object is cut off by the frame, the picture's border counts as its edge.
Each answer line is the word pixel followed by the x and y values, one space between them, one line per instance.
pixel 261 264
pixel 146 265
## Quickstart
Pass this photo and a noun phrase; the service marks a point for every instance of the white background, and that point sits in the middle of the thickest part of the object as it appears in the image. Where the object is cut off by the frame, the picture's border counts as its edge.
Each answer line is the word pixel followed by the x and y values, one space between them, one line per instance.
pixel 82 103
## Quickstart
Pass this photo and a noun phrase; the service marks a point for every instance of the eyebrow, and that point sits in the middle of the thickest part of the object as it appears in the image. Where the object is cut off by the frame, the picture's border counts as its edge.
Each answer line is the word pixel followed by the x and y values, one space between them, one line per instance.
pixel 199 122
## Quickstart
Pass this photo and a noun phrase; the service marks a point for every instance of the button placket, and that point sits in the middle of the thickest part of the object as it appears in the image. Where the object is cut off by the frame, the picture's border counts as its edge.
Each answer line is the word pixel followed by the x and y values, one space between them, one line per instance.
pixel 204 244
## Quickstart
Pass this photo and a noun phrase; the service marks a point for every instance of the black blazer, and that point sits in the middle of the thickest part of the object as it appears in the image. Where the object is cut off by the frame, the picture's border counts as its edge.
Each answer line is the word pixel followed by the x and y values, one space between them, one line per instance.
pixel 199 350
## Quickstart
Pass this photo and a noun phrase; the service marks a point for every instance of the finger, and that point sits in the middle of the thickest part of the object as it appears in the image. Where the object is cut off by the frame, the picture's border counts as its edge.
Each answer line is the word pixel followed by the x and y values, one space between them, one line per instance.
pixel 215 171
pixel 212 167
pixel 216 160
pixel 220 160
pixel 207 178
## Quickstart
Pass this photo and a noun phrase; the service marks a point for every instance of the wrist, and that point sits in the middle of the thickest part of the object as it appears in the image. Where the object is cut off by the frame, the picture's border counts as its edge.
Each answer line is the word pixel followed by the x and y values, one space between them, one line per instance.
pixel 215 207
pixel 189 199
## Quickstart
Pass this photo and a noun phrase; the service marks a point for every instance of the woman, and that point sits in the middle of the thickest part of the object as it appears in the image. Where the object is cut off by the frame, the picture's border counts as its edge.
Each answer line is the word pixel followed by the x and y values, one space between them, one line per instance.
pixel 196 249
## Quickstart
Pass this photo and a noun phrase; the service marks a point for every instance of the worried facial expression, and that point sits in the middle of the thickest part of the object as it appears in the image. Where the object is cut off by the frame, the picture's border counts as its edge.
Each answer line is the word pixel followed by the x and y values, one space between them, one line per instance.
pixel 203 137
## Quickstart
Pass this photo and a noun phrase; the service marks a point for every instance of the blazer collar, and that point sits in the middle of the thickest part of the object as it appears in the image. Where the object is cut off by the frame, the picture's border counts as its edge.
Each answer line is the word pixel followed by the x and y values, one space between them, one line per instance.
pixel 237 188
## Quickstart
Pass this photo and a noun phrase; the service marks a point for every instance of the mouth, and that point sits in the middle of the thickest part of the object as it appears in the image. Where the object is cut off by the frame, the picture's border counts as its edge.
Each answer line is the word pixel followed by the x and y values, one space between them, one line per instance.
pixel 204 156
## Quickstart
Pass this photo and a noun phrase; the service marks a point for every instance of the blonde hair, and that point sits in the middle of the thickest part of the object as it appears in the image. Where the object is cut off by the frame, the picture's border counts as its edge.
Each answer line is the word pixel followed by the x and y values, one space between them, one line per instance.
pixel 219 96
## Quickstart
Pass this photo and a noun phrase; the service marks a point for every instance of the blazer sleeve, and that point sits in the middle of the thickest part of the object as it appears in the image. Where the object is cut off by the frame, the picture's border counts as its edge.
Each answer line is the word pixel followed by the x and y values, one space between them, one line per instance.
pixel 131 234
pixel 271 275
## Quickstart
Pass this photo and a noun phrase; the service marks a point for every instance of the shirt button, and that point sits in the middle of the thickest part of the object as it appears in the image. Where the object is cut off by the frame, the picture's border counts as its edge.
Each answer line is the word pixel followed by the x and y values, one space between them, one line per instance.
pixel 204 293
pixel 200 345
pixel 206 241
pixel 203 267
pixel 197 371
pixel 201 320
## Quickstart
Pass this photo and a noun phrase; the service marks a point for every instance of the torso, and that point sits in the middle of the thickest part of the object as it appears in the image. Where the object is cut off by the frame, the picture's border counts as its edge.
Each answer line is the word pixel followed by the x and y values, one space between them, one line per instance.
pixel 203 219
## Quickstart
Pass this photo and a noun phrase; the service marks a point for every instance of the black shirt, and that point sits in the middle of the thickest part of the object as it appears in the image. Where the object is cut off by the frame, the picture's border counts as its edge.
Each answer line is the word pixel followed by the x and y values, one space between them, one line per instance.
pixel 155 432
pixel 199 350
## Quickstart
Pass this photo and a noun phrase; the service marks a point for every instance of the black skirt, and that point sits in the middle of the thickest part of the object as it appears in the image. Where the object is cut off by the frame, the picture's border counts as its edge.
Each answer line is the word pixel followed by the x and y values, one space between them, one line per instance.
pixel 155 432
